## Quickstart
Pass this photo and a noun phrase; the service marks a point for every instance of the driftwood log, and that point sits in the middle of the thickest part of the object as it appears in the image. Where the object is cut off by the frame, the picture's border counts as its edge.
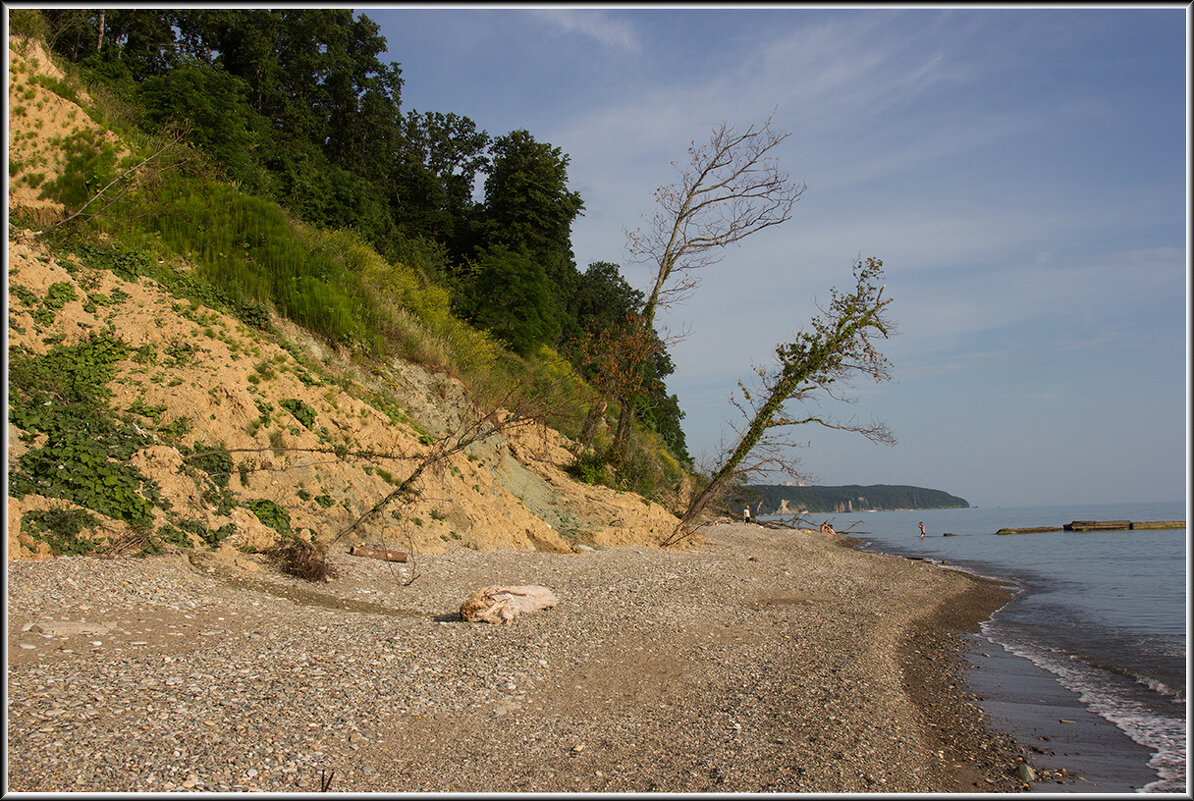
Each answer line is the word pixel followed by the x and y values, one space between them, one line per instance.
pixel 379 553
pixel 503 604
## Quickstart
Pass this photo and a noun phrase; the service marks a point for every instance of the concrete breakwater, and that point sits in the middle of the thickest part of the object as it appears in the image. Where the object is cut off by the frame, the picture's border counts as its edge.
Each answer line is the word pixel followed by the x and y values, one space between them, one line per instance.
pixel 1099 525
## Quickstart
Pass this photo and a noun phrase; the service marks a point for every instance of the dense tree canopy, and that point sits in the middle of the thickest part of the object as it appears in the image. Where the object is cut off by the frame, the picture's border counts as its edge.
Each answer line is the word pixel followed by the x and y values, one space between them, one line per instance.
pixel 297 106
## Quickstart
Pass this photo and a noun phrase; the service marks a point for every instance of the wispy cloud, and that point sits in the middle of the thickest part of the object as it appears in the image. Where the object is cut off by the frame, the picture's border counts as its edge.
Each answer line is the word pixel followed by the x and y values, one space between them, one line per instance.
pixel 610 31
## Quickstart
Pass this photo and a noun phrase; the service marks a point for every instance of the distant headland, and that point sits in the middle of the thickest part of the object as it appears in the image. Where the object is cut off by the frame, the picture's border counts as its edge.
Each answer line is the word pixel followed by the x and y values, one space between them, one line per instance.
pixel 775 499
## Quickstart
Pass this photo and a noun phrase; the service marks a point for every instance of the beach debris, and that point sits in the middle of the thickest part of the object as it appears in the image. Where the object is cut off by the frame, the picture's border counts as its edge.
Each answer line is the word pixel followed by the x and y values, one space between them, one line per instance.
pixel 502 604
pixel 1025 773
pixel 379 553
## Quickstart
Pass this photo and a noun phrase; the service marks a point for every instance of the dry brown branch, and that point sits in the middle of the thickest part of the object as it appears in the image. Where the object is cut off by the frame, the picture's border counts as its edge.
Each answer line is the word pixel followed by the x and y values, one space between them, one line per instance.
pixel 310 562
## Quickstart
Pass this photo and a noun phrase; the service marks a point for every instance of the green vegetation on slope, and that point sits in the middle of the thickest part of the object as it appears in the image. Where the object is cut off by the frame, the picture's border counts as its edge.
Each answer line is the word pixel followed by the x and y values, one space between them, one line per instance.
pixel 296 107
pixel 177 220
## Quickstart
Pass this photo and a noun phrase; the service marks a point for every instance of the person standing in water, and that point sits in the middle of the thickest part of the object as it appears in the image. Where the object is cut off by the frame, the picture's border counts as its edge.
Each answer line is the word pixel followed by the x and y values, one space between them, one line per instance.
pixel 922 530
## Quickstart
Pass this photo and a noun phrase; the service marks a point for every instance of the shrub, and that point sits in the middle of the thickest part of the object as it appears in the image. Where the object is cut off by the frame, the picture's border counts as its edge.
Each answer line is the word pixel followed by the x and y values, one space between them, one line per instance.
pixel 301 411
pixel 29 23
pixel 84 456
pixel 90 165
pixel 61 529
pixel 271 515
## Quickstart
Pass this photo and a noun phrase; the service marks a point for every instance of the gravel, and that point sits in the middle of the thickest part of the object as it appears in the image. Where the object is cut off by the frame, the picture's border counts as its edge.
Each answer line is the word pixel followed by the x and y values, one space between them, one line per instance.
pixel 766 660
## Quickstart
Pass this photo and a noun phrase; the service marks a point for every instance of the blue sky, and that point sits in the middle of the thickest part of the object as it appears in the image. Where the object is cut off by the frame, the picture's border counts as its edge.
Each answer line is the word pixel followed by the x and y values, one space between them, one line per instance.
pixel 1021 172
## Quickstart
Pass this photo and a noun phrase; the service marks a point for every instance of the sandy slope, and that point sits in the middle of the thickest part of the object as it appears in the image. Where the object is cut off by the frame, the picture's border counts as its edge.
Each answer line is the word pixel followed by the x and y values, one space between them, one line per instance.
pixel 210 370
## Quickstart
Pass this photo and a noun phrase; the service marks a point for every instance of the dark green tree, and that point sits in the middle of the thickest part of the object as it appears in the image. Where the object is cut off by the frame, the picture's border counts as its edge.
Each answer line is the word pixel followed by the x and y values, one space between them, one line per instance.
pixel 601 300
pixel 440 157
pixel 512 297
pixel 600 345
pixel 528 207
pixel 214 105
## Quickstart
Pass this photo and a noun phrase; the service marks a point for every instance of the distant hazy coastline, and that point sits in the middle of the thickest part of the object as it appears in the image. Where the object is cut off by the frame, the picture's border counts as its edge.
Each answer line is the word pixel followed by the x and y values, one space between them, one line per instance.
pixel 774 499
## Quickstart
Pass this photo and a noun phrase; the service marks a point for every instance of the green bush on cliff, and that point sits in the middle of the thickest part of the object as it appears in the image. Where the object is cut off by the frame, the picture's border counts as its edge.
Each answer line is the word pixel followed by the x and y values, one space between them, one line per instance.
pixel 62 395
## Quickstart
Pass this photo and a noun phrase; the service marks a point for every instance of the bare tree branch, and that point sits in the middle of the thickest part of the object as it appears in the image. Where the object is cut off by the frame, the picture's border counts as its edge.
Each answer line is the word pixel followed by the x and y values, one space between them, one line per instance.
pixel 732 188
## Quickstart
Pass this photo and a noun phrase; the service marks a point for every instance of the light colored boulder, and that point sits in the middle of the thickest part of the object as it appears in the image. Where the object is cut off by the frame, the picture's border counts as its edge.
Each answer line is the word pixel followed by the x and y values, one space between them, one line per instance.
pixel 503 604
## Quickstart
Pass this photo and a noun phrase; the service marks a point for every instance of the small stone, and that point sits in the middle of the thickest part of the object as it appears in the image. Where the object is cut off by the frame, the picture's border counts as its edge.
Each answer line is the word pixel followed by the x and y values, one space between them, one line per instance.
pixel 578 747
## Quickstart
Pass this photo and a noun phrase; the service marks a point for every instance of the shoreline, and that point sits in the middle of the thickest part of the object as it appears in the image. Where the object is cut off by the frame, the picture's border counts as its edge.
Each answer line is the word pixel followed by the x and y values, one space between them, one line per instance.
pixel 1071 747
pixel 1052 722
pixel 762 661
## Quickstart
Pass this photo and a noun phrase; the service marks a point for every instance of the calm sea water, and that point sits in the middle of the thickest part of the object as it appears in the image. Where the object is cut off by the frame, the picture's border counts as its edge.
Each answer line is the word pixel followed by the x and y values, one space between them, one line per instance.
pixel 1104 612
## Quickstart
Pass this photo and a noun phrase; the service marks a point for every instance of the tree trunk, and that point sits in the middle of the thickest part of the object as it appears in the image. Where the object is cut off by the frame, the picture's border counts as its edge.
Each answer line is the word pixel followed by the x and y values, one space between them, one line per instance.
pixel 596 413
pixel 617 451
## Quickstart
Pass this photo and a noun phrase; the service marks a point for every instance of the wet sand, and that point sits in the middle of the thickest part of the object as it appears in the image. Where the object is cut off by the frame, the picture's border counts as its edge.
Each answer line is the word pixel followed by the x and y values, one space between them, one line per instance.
pixel 1053 726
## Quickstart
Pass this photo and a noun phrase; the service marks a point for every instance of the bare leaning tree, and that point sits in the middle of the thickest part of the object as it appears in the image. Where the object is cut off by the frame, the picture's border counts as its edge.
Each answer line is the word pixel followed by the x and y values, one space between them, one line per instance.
pixel 839 346
pixel 731 188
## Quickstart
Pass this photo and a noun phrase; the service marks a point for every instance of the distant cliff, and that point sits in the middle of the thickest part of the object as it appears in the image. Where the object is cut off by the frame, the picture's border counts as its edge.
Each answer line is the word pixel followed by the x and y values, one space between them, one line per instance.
pixel 767 499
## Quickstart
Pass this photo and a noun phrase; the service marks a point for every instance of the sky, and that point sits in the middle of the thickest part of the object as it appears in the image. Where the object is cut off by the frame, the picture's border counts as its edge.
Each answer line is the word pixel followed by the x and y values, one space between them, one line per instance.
pixel 1021 172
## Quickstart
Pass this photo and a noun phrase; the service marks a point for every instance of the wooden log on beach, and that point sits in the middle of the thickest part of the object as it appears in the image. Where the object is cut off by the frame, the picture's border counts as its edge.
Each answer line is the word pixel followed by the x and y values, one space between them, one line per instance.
pixel 379 553
pixel 1035 530
pixel 1098 525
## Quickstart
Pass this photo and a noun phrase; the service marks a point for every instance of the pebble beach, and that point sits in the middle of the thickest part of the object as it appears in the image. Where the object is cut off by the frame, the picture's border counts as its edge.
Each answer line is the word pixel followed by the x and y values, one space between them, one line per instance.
pixel 765 660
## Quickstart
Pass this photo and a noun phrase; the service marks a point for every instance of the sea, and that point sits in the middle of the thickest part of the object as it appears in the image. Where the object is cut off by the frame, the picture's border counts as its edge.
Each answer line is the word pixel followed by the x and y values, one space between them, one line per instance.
pixel 1102 614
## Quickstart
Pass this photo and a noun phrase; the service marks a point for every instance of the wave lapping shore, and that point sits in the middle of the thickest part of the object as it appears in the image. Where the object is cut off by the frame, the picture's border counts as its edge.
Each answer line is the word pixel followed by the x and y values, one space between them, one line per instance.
pixel 766 660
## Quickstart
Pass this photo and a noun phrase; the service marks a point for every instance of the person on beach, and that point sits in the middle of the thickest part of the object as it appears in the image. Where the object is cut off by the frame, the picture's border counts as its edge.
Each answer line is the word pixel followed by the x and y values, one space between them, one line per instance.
pixel 826 528
pixel 922 530
pixel 746 515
